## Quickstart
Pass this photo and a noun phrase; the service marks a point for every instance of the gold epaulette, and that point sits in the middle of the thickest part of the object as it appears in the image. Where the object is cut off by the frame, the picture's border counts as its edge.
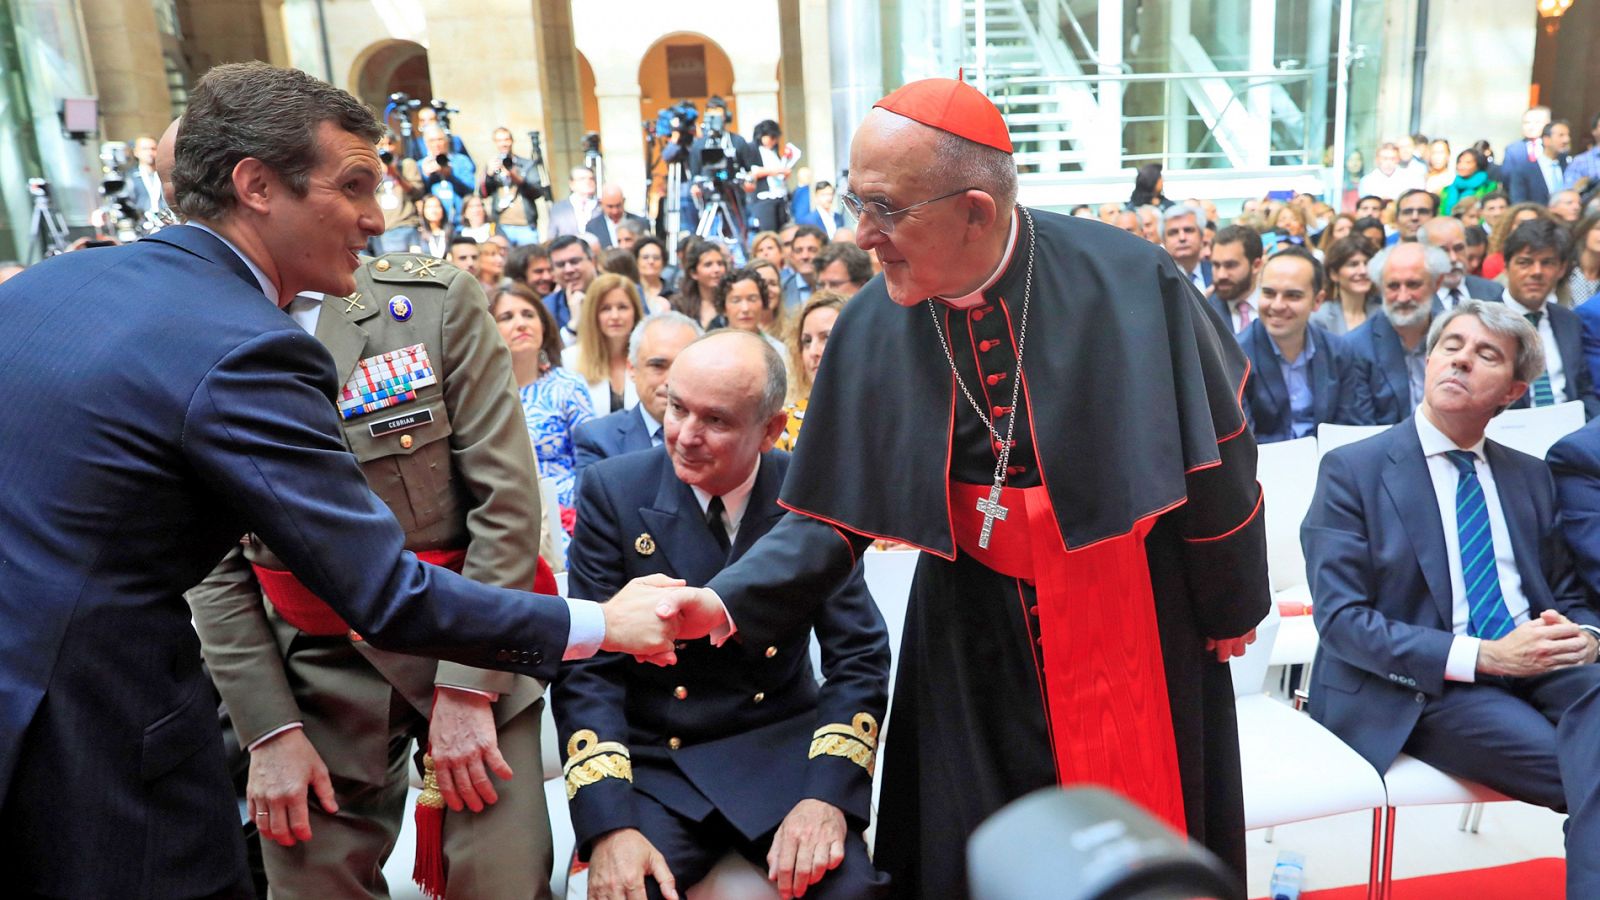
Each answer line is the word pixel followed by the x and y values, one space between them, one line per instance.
pixel 590 761
pixel 857 742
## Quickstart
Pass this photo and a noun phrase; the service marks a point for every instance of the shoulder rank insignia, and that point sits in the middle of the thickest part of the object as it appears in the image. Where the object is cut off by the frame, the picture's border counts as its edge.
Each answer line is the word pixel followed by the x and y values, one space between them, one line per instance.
pixel 400 307
pixel 589 760
pixel 353 301
pixel 425 266
pixel 644 544
pixel 857 742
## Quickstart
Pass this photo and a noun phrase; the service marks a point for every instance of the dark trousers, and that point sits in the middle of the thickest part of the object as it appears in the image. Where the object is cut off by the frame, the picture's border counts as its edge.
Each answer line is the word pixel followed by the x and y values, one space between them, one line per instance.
pixel 693 848
pixel 769 215
pixel 1535 739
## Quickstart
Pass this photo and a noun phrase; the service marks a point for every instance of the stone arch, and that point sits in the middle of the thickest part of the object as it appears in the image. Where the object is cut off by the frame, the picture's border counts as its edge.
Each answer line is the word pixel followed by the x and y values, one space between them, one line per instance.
pixel 387 66
pixel 678 48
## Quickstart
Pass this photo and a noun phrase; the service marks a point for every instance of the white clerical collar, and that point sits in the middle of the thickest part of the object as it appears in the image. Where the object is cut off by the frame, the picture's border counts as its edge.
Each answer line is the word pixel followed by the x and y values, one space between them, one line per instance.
pixel 976 297
pixel 267 287
pixel 733 502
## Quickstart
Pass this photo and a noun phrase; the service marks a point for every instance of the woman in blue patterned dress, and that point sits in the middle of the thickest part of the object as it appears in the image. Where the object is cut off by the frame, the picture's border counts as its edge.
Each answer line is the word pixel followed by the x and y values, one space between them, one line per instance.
pixel 554 401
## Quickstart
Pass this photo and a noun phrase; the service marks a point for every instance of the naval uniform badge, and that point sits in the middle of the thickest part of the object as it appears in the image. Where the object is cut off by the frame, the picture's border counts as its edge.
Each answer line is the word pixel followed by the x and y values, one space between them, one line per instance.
pixel 400 307
pixel 645 544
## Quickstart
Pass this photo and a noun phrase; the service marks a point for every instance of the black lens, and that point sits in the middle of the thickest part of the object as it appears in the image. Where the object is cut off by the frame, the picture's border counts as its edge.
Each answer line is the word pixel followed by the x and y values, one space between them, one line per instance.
pixel 443 160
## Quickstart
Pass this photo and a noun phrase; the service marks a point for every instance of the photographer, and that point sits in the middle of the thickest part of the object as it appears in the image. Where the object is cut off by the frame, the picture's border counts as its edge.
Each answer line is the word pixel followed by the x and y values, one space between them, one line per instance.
pixel 144 184
pixel 427 117
pixel 769 205
pixel 398 194
pixel 448 176
pixel 511 186
pixel 720 154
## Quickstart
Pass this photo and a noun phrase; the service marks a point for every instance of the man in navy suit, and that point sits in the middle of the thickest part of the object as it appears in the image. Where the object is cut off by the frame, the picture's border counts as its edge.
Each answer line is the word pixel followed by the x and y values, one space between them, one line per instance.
pixel 1235 266
pixel 172 407
pixel 1539 180
pixel 1535 255
pixel 573 263
pixel 1181 233
pixel 652 347
pixel 613 215
pixel 1389 346
pixel 1300 376
pixel 736 748
pixel 1453 627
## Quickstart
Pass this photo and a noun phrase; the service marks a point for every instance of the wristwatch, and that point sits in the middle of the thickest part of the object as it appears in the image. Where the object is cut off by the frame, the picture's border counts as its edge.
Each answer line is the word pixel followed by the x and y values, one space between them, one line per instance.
pixel 1593 632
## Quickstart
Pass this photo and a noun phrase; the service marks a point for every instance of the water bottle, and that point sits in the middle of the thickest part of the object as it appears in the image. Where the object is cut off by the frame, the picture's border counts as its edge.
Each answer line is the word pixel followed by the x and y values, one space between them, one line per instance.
pixel 1287 875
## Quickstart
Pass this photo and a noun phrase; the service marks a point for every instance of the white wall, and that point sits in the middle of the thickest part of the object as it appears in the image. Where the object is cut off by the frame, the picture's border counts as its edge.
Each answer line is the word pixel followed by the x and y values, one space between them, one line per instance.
pixel 1479 65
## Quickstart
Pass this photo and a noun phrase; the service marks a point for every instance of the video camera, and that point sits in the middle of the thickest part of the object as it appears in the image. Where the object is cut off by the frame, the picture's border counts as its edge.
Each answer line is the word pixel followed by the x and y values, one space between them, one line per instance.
pixel 677 121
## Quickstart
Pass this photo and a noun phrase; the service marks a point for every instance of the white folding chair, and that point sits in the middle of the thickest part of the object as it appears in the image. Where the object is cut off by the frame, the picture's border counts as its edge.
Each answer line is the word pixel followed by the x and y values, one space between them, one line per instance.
pixel 1286 470
pixel 1412 782
pixel 1534 431
pixel 1294 769
pixel 1332 437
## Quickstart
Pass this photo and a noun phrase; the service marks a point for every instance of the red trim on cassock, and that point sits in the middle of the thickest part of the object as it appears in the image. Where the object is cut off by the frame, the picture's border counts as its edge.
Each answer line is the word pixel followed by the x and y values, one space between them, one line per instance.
pixel 1260 496
pixel 1097 621
pixel 1244 421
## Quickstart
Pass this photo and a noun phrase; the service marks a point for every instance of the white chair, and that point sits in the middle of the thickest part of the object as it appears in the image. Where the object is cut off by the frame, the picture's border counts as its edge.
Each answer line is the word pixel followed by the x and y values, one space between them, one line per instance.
pixel 1294 769
pixel 1412 782
pixel 1534 431
pixel 1286 470
pixel 1332 437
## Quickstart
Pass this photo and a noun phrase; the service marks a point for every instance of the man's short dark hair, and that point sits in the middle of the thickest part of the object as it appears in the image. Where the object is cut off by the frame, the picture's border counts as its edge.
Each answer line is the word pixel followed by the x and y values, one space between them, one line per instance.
pixel 1298 252
pixel 520 257
pixel 1493 195
pixel 810 231
pixel 765 128
pixel 1433 199
pixel 1382 203
pixel 1536 235
pixel 253 110
pixel 567 240
pixel 462 239
pixel 1476 236
pixel 857 264
pixel 1551 128
pixel 1239 234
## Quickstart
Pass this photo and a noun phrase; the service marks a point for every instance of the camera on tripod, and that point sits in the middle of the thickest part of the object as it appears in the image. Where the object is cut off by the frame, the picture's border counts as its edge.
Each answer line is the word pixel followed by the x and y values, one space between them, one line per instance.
pixel 677 122
pixel 536 148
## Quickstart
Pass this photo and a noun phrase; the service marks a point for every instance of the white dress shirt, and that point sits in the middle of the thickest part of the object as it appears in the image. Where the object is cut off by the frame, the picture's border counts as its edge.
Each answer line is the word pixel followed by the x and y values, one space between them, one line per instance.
pixel 1553 365
pixel 652 427
pixel 733 502
pixel 1462 663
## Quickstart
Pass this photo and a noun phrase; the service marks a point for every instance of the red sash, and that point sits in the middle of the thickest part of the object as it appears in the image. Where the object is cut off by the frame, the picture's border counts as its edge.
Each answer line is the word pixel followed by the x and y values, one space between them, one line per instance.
pixel 309 613
pixel 1109 713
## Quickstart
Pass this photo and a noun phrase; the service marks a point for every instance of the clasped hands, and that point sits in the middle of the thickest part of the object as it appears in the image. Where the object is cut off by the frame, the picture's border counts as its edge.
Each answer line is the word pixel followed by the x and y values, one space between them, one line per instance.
pixel 1542 644
pixel 653 612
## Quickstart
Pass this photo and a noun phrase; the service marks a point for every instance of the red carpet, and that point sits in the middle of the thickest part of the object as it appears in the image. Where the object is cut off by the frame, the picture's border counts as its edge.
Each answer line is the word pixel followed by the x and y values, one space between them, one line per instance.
pixel 1536 879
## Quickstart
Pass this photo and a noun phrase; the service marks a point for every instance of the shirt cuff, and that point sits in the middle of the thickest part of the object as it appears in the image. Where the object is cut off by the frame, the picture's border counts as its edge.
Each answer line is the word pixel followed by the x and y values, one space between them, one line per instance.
pixel 491 696
pixel 1462 663
pixel 587 630
pixel 720 634
pixel 272 734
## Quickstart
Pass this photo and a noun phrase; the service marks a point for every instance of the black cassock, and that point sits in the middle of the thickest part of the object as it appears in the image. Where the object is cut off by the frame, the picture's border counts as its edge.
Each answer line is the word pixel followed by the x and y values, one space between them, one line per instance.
pixel 1130 419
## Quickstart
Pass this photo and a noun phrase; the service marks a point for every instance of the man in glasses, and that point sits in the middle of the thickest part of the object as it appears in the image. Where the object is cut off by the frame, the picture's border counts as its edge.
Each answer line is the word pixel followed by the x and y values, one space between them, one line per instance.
pixel 1414 208
pixel 1086 497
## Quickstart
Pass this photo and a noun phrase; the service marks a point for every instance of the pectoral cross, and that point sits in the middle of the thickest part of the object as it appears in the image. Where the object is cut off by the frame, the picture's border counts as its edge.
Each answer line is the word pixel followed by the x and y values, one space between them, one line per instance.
pixel 991 509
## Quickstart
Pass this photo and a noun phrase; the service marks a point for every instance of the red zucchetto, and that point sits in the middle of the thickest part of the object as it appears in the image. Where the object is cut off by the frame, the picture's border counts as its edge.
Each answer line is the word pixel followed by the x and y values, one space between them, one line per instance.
pixel 952 106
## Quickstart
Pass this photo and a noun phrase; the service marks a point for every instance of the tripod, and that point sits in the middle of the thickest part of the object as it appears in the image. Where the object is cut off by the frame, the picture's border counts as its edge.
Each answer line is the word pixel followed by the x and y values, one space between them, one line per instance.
pixel 49 230
pixel 720 217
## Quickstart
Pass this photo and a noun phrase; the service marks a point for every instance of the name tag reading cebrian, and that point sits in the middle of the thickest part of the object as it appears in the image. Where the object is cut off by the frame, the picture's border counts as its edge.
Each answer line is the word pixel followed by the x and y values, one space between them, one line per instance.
pixel 401 423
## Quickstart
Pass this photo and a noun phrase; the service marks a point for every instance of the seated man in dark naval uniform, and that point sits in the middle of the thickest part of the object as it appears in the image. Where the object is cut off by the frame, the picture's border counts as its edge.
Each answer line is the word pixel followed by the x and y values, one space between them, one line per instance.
pixel 735 747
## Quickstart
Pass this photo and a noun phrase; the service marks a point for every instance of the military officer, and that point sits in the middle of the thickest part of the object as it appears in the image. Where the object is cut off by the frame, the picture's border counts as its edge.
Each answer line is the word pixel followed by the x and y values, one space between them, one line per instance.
pixel 430 410
pixel 735 747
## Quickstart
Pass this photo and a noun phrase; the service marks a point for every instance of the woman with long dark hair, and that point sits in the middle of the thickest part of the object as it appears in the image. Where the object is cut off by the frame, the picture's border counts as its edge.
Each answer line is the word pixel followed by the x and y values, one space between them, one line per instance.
pixel 1147 187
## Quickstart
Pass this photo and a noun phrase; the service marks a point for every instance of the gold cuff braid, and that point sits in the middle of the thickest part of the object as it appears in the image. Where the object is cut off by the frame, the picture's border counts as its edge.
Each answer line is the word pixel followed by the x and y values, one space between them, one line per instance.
pixel 857 742
pixel 590 761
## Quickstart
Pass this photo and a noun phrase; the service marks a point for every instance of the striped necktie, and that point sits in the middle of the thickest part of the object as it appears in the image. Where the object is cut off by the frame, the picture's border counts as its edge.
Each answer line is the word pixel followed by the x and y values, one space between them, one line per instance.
pixel 1487 617
pixel 1541 393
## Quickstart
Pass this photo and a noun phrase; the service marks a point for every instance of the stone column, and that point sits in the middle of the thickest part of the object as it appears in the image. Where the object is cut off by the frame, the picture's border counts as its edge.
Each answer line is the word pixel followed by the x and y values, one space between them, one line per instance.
pixel 622 139
pixel 129 71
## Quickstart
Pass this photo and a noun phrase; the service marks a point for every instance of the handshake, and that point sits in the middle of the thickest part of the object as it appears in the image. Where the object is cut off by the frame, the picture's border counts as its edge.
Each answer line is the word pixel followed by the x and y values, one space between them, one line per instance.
pixel 651 613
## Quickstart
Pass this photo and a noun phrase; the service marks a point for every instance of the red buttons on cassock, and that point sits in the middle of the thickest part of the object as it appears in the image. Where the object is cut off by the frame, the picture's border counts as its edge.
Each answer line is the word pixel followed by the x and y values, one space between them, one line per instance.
pixel 999 411
pixel 996 378
pixel 987 345
pixel 979 313
pixel 1016 470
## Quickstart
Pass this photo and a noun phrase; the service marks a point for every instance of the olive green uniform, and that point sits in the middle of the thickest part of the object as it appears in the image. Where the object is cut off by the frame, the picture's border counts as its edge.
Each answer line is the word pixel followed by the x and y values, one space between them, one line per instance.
pixel 456 467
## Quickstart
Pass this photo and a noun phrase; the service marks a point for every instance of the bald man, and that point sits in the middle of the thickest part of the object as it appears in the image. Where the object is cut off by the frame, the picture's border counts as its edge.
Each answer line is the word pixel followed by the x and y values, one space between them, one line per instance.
pixel 735 748
pixel 613 214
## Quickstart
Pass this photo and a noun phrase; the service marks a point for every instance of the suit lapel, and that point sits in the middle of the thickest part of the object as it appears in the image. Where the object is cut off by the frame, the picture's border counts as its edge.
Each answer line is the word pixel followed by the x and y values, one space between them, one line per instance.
pixel 1511 481
pixel 1392 360
pixel 1270 371
pixel 679 528
pixel 1320 373
pixel 1565 326
pixel 1410 487
pixel 761 511
pixel 339 332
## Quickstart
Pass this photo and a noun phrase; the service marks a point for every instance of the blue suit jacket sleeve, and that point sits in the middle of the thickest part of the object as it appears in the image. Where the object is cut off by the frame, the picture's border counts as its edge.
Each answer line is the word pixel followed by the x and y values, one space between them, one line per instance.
pixel 592 694
pixel 260 429
pixel 1575 463
pixel 586 448
pixel 1355 394
pixel 1345 586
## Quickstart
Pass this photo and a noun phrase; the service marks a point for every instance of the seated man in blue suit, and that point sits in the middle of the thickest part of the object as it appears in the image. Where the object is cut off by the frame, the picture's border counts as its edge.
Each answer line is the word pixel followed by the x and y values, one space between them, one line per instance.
pixel 172 405
pixel 652 347
pixel 1300 376
pixel 735 748
pixel 1535 254
pixel 1388 347
pixel 1453 627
